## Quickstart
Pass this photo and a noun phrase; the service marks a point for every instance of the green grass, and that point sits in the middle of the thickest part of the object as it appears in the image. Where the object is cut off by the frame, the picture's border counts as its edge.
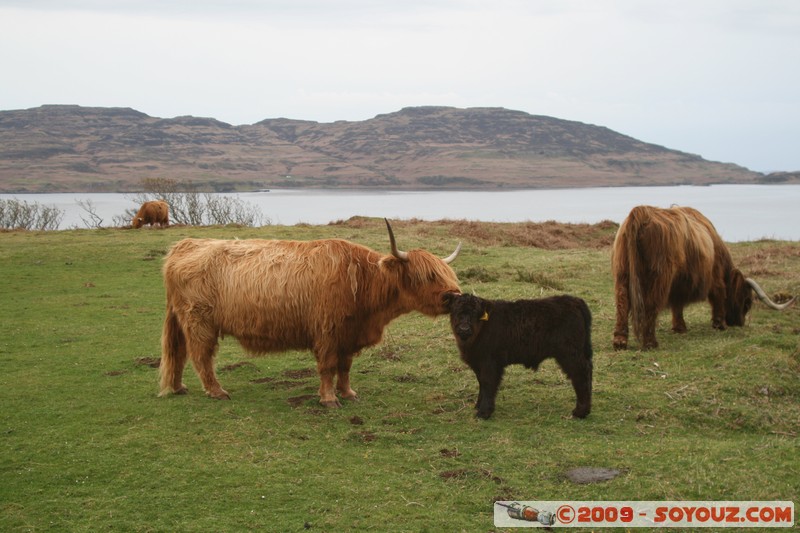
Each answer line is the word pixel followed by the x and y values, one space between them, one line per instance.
pixel 86 445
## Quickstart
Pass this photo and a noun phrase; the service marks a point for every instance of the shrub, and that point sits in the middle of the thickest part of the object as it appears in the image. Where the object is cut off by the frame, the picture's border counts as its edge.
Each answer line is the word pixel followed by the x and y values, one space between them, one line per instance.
pixel 188 206
pixel 19 214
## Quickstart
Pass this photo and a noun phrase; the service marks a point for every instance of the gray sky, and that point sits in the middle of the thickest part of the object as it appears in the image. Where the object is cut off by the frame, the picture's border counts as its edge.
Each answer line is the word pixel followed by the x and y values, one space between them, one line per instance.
pixel 717 78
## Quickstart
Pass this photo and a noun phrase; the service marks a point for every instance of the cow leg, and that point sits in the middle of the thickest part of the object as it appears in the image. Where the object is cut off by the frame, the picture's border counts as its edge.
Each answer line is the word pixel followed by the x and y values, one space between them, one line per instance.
pixel 579 371
pixel 623 310
pixel 201 352
pixel 649 329
pixel 477 372
pixel 327 367
pixel 489 382
pixel 717 300
pixel 678 324
pixel 343 378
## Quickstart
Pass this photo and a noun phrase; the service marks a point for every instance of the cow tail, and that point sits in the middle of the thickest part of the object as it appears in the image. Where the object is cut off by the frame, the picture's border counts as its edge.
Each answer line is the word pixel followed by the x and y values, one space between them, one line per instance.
pixel 634 263
pixel 173 354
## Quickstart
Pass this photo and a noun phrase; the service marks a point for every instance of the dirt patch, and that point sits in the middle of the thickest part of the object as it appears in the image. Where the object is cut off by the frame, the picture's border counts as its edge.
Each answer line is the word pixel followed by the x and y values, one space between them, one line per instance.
pixel 152 362
pixel 587 474
pixel 466 473
pixel 116 372
pixel 297 401
pixel 357 420
pixel 286 384
pixel 366 436
pixel 388 352
pixel 234 366
pixel 444 452
pixel 300 374
pixel 406 378
pixel 506 494
pixel 278 384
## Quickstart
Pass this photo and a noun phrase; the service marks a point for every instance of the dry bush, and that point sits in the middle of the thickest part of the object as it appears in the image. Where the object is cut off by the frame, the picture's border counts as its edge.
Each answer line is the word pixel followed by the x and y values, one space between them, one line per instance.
pixel 19 214
pixel 545 235
pixel 193 208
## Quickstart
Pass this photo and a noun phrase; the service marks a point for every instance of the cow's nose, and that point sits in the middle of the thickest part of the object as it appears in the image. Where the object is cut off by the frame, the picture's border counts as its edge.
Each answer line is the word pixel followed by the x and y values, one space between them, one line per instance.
pixel 464 330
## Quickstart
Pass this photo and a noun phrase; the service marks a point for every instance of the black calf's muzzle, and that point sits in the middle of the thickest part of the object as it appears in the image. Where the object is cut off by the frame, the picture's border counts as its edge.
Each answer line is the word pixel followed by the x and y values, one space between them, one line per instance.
pixel 464 331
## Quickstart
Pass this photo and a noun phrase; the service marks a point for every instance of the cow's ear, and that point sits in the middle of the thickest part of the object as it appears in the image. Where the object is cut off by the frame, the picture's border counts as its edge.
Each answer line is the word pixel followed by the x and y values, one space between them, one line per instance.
pixel 487 310
pixel 448 299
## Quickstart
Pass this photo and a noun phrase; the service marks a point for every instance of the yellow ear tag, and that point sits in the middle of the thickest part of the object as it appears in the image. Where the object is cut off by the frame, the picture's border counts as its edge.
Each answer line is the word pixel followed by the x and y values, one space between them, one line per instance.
pixel 485 316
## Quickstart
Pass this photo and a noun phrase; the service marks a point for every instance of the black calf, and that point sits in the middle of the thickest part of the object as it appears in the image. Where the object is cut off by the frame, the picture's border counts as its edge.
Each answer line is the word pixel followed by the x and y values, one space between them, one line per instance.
pixel 492 334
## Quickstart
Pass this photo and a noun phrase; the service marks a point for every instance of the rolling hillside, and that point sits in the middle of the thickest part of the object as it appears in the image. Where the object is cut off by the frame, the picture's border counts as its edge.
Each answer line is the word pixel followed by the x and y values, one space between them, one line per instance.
pixel 82 149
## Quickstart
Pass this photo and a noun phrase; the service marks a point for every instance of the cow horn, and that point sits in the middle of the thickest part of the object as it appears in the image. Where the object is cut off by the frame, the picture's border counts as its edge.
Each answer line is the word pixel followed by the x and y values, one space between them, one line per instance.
pixel 450 258
pixel 764 298
pixel 401 255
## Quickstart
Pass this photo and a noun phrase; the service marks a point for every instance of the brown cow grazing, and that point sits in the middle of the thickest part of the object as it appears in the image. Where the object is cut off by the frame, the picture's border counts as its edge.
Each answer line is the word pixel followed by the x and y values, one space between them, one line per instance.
pixel 153 212
pixel 330 296
pixel 492 334
pixel 673 257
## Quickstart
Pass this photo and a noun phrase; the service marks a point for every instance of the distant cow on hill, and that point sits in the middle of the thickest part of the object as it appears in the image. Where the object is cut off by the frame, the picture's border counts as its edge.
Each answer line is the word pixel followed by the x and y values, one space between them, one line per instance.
pixel 492 334
pixel 153 212
pixel 330 296
pixel 670 258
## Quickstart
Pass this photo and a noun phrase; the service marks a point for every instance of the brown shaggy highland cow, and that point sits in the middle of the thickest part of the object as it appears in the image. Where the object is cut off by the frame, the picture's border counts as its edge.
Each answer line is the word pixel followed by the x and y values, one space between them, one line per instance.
pixel 671 258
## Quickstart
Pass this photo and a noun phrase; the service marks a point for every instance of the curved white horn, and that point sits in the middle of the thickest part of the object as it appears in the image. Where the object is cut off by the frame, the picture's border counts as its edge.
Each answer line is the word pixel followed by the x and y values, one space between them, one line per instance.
pixel 401 255
pixel 764 298
pixel 450 258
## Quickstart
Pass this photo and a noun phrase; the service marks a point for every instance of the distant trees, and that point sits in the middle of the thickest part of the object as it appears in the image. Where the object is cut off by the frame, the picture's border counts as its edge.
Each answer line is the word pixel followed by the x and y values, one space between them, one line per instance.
pixel 187 206
pixel 19 214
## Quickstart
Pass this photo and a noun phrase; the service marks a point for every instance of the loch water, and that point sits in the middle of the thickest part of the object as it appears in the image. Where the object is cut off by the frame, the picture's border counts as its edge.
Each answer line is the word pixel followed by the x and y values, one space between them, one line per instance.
pixel 739 212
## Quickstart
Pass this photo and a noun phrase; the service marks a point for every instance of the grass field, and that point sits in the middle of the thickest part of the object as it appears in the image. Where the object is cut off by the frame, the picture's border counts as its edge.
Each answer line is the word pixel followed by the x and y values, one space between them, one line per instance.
pixel 86 445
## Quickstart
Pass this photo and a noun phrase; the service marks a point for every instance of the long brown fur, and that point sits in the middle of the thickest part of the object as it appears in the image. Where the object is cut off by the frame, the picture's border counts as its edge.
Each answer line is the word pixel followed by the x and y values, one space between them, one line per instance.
pixel 331 296
pixel 152 212
pixel 670 258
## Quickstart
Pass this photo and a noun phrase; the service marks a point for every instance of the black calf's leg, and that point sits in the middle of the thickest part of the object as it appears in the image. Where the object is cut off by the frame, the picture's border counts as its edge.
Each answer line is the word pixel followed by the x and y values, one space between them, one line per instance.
pixel 580 374
pixel 477 372
pixel 489 380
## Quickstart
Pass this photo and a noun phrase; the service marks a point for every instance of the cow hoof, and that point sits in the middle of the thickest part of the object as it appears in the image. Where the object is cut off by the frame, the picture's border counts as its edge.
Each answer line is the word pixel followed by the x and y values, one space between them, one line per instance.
pixel 220 395
pixel 620 345
pixel 331 404
pixel 580 412
pixel 349 395
pixel 483 415
pixel 182 390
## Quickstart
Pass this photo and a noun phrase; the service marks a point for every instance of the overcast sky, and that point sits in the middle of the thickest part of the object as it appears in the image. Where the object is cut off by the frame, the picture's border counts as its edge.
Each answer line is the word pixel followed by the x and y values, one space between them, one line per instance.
pixel 717 78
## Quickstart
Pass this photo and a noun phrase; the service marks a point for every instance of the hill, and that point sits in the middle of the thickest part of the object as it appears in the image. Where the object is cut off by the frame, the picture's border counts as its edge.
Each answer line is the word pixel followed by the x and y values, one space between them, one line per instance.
pixel 81 149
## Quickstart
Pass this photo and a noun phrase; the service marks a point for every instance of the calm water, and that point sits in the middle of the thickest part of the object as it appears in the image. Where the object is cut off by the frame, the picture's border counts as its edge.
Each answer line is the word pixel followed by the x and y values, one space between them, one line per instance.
pixel 739 212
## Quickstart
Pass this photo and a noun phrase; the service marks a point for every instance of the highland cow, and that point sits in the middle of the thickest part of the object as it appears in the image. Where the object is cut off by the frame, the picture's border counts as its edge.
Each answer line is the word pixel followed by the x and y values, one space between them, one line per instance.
pixel 330 296
pixel 153 212
pixel 671 258
pixel 492 334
